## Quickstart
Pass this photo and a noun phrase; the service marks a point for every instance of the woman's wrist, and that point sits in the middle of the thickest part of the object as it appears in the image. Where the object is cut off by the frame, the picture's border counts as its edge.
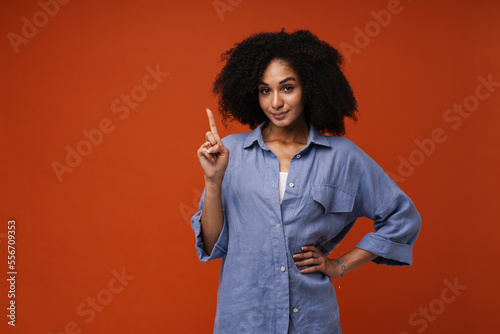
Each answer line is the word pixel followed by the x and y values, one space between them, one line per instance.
pixel 336 269
pixel 340 267
pixel 352 260
pixel 213 182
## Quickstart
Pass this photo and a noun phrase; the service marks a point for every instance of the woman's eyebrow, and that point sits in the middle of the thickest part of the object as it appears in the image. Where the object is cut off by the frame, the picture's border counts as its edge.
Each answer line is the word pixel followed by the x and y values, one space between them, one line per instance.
pixel 287 79
pixel 281 82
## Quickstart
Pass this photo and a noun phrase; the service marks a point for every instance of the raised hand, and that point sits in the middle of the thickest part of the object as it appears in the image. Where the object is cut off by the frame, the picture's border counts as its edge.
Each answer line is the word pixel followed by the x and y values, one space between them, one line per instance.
pixel 213 155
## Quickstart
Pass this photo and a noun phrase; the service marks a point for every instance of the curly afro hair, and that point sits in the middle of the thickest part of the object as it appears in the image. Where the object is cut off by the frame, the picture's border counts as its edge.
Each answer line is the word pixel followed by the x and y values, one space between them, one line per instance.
pixel 327 95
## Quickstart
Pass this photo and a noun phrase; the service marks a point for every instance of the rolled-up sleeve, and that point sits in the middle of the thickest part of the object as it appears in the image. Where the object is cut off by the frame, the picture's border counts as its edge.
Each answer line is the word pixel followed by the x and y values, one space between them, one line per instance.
pixel 220 247
pixel 395 233
pixel 396 220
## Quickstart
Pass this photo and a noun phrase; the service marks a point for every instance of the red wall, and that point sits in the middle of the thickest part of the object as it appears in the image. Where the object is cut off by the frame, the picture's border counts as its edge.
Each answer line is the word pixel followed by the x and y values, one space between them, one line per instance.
pixel 122 209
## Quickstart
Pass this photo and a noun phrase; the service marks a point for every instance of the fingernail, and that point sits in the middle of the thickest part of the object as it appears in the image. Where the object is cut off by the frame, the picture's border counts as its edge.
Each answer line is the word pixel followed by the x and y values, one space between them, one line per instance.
pixel 210 150
pixel 303 248
pixel 295 256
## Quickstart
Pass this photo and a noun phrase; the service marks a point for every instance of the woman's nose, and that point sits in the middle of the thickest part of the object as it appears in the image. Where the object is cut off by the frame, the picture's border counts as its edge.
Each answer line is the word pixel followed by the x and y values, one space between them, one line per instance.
pixel 277 101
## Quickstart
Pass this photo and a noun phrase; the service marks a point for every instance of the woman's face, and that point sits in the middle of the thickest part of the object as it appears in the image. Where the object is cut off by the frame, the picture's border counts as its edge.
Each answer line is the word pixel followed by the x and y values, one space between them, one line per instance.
pixel 280 94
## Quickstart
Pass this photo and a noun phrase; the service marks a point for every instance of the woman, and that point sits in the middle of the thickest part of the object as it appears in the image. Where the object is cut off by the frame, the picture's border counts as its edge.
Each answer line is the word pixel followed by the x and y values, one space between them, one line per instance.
pixel 278 200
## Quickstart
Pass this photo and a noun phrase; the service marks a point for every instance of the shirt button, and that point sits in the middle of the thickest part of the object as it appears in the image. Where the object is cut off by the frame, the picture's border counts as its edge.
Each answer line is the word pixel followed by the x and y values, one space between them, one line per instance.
pixel 295 310
pixel 291 184
pixel 278 225
pixel 298 156
pixel 283 268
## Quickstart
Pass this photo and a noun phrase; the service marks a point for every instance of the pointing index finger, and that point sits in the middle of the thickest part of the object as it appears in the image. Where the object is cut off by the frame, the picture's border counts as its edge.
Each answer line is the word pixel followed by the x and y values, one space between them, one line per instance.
pixel 213 127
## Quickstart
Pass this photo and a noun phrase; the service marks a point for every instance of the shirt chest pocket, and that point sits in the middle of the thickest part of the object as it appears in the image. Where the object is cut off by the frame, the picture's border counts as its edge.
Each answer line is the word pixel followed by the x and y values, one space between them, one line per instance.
pixel 332 198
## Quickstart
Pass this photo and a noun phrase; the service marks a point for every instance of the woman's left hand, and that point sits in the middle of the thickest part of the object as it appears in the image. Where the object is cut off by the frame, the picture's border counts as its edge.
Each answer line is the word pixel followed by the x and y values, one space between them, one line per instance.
pixel 317 261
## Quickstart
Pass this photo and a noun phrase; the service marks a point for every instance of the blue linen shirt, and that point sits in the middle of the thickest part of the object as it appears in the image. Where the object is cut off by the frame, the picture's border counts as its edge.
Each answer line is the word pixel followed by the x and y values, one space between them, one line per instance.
pixel 331 182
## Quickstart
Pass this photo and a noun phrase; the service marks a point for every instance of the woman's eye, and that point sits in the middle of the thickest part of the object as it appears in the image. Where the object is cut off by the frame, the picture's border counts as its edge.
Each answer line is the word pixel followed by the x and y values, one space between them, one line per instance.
pixel 288 88
pixel 264 90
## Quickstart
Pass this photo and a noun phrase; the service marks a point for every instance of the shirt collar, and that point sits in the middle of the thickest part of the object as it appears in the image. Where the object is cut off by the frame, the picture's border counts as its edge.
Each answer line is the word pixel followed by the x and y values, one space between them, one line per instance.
pixel 315 137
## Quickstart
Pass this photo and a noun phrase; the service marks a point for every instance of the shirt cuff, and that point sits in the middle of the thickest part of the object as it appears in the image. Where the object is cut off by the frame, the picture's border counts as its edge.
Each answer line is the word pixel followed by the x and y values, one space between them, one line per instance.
pixel 220 247
pixel 389 252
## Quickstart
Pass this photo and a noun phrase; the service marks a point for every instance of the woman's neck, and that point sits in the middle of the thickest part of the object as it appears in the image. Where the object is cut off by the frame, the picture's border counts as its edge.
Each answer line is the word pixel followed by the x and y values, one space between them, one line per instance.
pixel 298 132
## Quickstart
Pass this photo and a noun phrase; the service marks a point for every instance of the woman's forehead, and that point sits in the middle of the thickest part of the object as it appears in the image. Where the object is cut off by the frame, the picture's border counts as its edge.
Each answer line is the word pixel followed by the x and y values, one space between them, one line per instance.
pixel 278 70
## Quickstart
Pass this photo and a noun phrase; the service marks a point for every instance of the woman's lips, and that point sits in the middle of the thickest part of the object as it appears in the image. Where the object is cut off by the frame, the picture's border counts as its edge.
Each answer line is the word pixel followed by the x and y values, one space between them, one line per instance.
pixel 280 115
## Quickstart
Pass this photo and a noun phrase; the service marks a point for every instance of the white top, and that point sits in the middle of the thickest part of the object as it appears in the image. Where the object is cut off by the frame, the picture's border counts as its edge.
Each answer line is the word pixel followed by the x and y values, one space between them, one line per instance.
pixel 282 185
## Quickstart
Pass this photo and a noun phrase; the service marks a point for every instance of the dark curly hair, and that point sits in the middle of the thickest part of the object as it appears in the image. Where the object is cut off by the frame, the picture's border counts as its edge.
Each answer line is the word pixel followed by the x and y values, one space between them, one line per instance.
pixel 327 95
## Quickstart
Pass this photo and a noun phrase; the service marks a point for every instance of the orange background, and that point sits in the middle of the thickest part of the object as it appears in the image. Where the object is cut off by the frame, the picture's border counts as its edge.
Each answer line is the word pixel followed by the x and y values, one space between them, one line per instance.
pixel 126 205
